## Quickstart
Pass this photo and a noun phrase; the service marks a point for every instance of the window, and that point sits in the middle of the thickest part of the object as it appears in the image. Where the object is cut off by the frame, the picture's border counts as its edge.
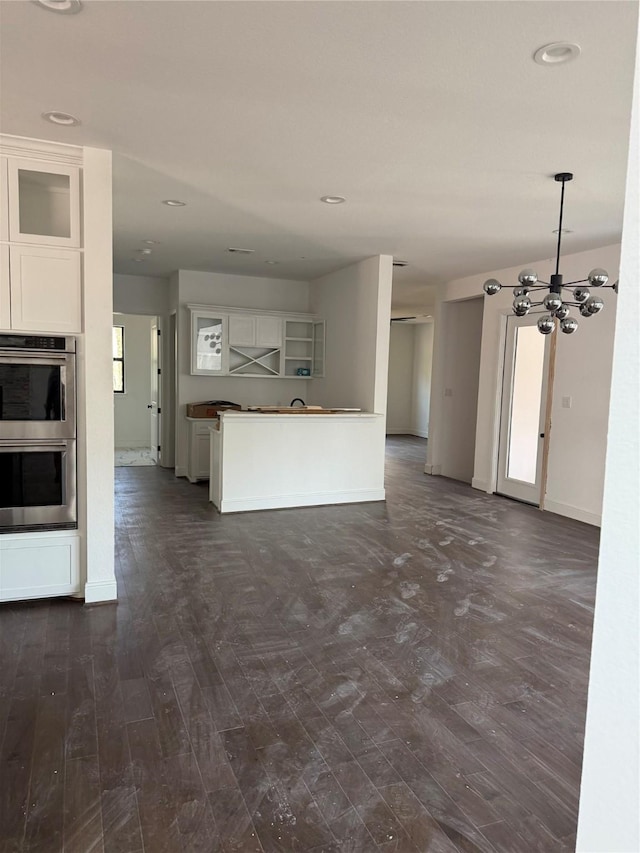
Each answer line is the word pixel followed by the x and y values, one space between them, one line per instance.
pixel 118 359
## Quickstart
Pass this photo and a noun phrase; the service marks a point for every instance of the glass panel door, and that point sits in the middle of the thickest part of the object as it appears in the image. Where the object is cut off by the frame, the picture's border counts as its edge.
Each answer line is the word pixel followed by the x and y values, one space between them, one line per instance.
pixel 522 414
pixel 44 203
pixel 209 344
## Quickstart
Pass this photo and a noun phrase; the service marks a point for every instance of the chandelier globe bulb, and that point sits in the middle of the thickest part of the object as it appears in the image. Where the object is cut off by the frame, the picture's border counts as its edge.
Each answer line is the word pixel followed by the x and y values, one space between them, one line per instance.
pixel 581 294
pixel 569 325
pixel 546 324
pixel 594 305
pixel 552 302
pixel 562 312
pixel 521 306
pixel 491 286
pixel 528 277
pixel 598 277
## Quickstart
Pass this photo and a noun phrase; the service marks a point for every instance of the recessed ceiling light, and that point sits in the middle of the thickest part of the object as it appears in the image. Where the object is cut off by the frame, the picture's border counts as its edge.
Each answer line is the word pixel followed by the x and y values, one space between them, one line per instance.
pixel 333 199
pixel 236 251
pixel 67 7
pixel 151 242
pixel 271 262
pixel 173 202
pixel 557 53
pixel 139 260
pixel 57 117
pixel 144 251
pixel 564 231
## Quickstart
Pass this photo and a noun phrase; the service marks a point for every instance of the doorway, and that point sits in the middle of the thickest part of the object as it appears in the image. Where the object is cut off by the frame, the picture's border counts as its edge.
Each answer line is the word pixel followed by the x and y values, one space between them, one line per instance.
pixel 136 357
pixel 521 448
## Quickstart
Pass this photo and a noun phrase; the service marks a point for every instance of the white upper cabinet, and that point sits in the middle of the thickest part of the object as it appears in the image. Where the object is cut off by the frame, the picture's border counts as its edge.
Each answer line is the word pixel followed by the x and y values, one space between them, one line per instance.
pixel 233 342
pixel 209 343
pixel 249 330
pixel 242 330
pixel 46 290
pixel 317 368
pixel 268 332
pixel 44 203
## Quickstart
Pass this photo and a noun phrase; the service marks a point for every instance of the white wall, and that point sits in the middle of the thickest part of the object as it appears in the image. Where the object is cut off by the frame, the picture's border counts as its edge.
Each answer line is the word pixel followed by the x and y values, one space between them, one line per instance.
pixel 610 793
pixel 131 416
pixel 422 366
pixel 462 326
pixel 140 294
pixel 583 368
pixel 231 291
pixel 400 380
pixel 95 421
pixel 356 303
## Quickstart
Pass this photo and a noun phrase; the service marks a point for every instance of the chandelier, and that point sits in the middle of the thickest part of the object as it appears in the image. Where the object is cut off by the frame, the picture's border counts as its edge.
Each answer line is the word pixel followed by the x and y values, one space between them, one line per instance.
pixel 555 302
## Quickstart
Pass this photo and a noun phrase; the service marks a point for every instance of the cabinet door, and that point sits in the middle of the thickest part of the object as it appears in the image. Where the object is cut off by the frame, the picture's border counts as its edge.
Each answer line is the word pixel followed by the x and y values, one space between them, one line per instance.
pixel 44 203
pixel 242 330
pixel 209 344
pixel 5 292
pixel 202 456
pixel 46 290
pixel 317 369
pixel 268 332
pixel 39 567
pixel 4 200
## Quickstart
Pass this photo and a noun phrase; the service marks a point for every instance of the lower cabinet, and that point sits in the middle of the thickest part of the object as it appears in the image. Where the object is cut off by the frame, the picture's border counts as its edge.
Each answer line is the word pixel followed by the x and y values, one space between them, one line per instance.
pixel 198 443
pixel 39 565
pixel 5 288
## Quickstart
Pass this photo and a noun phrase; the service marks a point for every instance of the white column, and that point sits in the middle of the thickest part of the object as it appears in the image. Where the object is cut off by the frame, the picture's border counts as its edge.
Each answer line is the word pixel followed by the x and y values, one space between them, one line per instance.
pixel 609 819
pixel 95 412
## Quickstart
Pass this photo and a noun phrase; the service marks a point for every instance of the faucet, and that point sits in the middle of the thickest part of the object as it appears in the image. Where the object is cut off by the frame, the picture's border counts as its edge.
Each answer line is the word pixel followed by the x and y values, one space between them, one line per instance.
pixel 297 400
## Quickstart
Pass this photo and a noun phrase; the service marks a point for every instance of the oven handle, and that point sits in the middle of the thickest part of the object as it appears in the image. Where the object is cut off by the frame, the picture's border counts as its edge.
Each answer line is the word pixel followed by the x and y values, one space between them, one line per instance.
pixel 38 444
pixel 41 355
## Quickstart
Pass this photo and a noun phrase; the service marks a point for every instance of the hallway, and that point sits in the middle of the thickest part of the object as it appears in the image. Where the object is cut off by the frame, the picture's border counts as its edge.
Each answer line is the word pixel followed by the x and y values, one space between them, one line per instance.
pixel 401 676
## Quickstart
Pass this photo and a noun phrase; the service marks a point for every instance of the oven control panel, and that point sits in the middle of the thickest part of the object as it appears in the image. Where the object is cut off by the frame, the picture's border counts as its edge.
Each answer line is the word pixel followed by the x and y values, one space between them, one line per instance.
pixel 37 342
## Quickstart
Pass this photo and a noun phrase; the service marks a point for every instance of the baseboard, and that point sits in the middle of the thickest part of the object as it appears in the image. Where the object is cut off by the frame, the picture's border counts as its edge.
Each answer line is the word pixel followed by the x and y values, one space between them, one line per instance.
pixel 407 431
pixel 97 591
pixel 434 470
pixel 482 485
pixel 180 472
pixel 573 512
pixel 290 501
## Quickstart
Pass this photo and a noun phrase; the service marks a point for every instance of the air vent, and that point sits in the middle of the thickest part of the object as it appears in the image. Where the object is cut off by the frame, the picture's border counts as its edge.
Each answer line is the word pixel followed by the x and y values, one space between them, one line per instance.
pixel 400 263
pixel 241 251
pixel 402 319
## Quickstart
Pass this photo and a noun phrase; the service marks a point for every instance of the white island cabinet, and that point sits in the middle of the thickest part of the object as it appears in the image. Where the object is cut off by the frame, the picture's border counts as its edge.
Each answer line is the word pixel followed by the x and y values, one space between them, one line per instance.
pixel 270 461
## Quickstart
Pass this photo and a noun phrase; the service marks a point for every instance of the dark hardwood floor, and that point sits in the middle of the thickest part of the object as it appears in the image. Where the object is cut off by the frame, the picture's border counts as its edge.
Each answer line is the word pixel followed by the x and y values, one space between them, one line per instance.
pixel 408 676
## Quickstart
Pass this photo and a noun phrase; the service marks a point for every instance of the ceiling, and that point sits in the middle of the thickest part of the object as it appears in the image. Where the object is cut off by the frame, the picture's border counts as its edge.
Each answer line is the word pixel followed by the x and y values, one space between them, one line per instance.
pixel 431 118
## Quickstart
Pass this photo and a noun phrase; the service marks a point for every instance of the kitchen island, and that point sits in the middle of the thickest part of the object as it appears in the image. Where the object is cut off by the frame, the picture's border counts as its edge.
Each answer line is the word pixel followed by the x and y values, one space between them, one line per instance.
pixel 270 461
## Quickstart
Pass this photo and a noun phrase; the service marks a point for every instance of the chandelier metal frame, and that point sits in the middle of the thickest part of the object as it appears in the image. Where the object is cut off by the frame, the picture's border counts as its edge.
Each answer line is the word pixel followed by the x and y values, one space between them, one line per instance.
pixel 556 304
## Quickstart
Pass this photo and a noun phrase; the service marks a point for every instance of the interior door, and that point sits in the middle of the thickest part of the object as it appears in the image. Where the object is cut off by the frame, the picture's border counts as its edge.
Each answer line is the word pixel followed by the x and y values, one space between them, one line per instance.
pixel 524 394
pixel 154 405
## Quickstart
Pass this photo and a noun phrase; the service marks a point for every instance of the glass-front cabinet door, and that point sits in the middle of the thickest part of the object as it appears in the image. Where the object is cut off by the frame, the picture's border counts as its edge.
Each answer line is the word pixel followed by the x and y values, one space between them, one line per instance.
pixel 209 343
pixel 44 203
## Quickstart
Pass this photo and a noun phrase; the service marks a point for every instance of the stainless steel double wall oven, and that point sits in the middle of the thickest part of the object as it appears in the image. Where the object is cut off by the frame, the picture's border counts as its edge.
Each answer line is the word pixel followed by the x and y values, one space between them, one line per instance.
pixel 37 432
